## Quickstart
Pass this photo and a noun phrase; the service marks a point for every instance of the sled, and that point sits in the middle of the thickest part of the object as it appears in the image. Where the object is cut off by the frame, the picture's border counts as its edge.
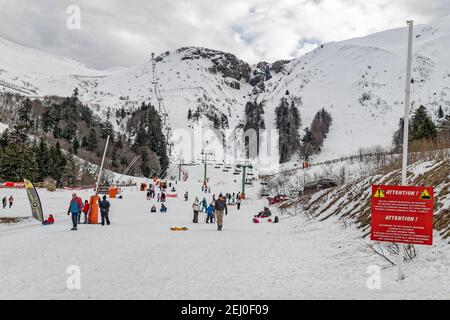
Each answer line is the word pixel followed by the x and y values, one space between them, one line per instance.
pixel 179 229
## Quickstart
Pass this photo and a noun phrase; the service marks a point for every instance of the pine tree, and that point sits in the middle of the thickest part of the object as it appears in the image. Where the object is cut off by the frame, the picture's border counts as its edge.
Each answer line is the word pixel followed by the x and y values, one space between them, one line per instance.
pixel 440 113
pixel 24 114
pixel 288 123
pixel 422 127
pixel 91 140
pixel 75 145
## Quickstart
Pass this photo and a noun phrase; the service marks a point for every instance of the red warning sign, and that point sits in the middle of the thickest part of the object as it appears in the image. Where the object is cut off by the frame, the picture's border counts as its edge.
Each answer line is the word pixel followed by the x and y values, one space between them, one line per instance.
pixel 402 214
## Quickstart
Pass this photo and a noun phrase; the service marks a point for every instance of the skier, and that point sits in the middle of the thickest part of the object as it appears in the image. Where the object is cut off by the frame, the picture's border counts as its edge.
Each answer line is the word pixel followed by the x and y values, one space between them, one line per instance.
pixel 186 196
pixel 11 200
pixel 48 221
pixel 153 209
pixel 210 214
pixel 209 190
pixel 75 207
pixel 148 194
pixel 220 207
pixel 163 208
pixel 4 201
pixel 104 211
pixel 158 198
pixel 233 199
pixel 195 208
pixel 85 211
pixel 163 197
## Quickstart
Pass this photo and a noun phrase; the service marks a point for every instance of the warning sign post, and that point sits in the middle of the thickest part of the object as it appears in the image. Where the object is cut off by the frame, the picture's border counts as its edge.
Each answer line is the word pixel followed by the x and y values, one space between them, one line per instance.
pixel 402 214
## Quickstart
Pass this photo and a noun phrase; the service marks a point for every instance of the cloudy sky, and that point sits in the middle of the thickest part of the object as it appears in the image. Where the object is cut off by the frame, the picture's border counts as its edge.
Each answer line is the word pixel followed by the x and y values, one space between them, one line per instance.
pixel 123 33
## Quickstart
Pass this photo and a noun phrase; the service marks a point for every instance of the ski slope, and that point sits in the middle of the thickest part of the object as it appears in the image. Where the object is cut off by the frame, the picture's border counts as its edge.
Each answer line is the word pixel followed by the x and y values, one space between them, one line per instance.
pixel 138 257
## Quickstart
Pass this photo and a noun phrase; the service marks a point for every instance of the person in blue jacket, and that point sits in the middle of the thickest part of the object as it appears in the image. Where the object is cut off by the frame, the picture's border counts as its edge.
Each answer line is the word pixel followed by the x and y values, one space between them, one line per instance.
pixel 75 207
pixel 204 205
pixel 210 214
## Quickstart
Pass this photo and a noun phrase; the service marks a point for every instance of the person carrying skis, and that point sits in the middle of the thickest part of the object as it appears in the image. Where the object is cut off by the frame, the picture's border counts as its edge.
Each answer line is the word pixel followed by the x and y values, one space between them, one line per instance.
pixel 104 210
pixel 220 208
pixel 11 200
pixel 210 213
pixel 195 208
pixel 75 207
pixel 85 211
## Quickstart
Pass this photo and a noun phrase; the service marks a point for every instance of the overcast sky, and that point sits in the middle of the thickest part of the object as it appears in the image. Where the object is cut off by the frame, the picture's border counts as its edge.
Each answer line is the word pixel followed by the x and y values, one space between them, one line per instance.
pixel 124 33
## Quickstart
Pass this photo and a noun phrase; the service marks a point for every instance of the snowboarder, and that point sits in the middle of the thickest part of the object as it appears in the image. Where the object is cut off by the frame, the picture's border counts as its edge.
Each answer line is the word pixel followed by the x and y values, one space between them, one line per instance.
pixel 210 214
pixel 220 207
pixel 195 208
pixel 104 211
pixel 11 200
pixel 48 221
pixel 163 208
pixel 4 201
pixel 75 207
pixel 85 211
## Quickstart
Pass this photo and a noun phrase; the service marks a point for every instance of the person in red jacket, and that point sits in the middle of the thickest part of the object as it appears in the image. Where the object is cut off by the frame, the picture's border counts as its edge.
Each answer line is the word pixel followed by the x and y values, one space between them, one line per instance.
pixel 86 210
pixel 50 220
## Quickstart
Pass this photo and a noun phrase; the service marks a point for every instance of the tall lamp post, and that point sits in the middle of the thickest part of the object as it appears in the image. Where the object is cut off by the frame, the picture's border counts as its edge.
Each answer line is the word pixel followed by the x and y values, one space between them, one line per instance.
pixel 410 24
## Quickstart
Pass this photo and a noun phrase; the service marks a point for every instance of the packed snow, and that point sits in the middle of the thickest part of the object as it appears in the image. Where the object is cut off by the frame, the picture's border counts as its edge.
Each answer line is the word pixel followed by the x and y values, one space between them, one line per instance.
pixel 138 257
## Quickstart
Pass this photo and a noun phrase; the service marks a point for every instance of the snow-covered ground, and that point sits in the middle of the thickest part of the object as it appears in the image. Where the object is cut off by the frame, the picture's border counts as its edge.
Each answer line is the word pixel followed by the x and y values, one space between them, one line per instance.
pixel 139 257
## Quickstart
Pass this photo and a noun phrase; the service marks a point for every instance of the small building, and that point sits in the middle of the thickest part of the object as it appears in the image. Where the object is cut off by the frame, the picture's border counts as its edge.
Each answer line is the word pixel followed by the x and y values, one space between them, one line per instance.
pixel 319 184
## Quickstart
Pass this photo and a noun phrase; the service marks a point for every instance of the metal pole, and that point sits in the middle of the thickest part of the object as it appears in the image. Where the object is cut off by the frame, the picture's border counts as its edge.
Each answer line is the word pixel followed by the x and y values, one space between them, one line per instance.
pixel 101 166
pixel 410 23
pixel 204 175
pixel 243 182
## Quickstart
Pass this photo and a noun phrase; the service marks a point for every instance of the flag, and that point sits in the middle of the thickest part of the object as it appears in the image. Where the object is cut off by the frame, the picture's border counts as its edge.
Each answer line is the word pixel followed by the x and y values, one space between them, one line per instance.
pixel 35 202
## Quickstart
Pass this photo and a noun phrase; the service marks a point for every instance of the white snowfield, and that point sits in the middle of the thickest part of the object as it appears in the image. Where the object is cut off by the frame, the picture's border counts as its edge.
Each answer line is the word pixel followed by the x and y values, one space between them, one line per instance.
pixel 138 257
pixel 359 81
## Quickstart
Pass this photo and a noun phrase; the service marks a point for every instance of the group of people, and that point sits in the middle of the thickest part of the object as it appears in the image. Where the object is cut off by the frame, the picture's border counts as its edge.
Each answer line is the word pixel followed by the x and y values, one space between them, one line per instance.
pixel 163 208
pixel 5 201
pixel 76 207
pixel 160 198
pixel 206 188
pixel 215 211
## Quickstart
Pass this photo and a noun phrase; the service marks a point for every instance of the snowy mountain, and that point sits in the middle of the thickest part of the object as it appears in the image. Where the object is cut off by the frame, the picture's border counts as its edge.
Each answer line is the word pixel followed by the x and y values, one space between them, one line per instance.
pixel 360 82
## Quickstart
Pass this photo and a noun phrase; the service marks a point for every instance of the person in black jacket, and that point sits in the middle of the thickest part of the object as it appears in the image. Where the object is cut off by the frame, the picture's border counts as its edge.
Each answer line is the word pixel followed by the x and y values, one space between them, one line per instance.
pixel 104 210
pixel 220 206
